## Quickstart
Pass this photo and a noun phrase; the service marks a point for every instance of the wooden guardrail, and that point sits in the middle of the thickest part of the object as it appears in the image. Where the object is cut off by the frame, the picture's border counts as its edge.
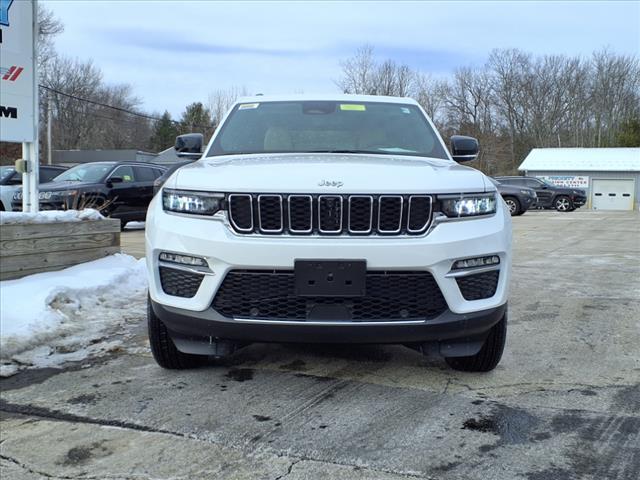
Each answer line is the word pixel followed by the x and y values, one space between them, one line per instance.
pixel 42 247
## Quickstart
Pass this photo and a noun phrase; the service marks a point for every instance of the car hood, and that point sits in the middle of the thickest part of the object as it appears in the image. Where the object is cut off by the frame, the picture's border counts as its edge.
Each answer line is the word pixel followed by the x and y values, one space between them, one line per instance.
pixel 328 173
pixel 63 186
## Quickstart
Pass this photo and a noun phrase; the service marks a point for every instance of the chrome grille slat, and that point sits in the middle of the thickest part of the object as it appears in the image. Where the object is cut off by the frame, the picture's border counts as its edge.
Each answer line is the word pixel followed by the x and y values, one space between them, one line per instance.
pixel 270 214
pixel 383 201
pixel 415 199
pixel 235 205
pixel 294 222
pixel 323 211
pixel 307 214
pixel 351 207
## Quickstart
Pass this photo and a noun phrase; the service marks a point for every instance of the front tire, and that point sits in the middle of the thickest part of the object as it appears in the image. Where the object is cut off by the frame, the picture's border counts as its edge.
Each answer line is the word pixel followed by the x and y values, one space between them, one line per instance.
pixel 164 350
pixel 513 204
pixel 489 355
pixel 563 204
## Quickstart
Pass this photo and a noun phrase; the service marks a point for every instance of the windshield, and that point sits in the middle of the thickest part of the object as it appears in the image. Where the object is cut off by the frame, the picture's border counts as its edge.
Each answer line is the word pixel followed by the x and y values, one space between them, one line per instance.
pixel 321 126
pixel 91 173
pixel 6 172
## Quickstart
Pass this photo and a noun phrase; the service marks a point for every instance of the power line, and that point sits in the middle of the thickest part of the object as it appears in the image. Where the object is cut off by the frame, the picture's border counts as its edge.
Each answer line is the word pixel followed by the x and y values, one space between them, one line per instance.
pixel 119 109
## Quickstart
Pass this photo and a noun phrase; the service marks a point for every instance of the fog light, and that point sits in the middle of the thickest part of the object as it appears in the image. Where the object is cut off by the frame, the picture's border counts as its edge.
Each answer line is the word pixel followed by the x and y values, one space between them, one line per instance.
pixel 476 262
pixel 183 259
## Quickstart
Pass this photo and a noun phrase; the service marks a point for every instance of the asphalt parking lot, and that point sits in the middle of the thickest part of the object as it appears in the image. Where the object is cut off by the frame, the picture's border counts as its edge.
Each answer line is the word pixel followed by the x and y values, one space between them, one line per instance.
pixel 563 404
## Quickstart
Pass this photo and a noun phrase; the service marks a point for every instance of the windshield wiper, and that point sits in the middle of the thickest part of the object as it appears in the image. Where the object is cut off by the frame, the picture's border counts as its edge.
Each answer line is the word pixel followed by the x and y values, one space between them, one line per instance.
pixel 340 151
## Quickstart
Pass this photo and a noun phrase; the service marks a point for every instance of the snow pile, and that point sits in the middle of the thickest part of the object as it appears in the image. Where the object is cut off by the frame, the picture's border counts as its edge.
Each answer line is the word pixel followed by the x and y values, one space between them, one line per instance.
pixel 50 216
pixel 54 317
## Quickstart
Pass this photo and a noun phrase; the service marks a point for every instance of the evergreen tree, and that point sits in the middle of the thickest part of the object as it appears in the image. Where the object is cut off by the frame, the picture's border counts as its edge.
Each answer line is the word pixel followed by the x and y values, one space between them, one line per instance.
pixel 196 118
pixel 164 133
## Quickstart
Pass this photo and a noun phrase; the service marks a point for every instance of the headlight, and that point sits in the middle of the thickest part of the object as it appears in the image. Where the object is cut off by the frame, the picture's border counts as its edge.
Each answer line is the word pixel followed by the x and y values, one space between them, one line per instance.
pixel 468 205
pixel 17 195
pixel 196 203
pixel 44 195
pixel 526 192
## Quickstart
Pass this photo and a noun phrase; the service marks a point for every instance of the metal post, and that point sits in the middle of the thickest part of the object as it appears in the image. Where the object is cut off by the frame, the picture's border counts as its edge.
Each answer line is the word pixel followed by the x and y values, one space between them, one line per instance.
pixel 26 185
pixel 49 154
pixel 30 180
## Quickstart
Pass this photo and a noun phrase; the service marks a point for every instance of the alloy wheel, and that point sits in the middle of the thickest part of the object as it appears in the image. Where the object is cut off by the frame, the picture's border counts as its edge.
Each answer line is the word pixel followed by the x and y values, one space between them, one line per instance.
pixel 563 204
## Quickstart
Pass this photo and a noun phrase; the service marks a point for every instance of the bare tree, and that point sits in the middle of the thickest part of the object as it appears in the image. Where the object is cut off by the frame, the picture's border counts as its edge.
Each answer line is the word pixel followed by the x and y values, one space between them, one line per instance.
pixel 48 27
pixel 220 102
pixel 359 73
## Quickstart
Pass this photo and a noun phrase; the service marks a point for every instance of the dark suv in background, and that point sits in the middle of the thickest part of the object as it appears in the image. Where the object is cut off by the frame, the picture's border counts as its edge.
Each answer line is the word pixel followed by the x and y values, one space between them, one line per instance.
pixel 518 199
pixel 118 189
pixel 563 199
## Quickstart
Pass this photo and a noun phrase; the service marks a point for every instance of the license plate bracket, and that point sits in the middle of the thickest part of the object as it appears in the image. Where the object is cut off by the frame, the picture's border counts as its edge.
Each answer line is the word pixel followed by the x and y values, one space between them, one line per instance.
pixel 330 278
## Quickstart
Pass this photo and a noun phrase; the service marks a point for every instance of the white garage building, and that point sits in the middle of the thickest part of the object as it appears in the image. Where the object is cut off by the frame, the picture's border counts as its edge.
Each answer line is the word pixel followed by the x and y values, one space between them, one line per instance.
pixel 610 176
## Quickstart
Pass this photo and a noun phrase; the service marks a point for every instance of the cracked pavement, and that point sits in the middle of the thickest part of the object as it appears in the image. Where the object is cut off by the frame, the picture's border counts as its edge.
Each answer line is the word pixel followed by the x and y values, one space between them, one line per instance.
pixel 563 404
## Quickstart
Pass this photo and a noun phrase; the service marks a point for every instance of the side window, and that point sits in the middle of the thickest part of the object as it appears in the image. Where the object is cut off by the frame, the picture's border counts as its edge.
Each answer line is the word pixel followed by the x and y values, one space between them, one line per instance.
pixel 16 179
pixel 144 174
pixel 48 174
pixel 532 183
pixel 125 172
pixel 158 172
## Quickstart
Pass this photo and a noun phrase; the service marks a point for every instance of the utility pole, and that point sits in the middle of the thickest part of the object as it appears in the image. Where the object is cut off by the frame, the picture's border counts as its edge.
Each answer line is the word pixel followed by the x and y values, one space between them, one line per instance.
pixel 49 153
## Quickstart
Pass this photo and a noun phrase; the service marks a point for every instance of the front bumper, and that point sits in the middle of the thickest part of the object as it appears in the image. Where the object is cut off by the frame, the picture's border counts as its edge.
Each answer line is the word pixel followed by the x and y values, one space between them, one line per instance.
pixel 578 201
pixel 224 250
pixel 449 334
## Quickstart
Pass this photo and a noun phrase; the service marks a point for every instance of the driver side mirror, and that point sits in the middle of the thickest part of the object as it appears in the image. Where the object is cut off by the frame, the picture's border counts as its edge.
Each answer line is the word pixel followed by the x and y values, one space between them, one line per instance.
pixel 464 149
pixel 113 180
pixel 189 145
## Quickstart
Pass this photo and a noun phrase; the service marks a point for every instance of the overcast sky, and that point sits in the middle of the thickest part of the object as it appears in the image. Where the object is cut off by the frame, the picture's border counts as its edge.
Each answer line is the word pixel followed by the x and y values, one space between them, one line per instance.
pixel 174 53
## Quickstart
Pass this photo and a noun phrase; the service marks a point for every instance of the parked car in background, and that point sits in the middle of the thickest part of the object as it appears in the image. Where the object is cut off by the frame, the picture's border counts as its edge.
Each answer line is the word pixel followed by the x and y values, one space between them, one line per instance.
pixel 11 181
pixel 518 199
pixel 563 199
pixel 165 176
pixel 118 189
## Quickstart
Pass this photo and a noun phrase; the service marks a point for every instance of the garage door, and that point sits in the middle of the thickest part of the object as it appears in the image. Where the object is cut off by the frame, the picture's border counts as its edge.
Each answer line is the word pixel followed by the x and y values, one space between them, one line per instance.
pixel 612 194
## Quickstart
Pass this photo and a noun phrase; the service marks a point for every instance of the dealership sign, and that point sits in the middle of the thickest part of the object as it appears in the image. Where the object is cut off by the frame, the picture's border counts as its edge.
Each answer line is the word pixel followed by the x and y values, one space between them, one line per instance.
pixel 16 72
pixel 571 181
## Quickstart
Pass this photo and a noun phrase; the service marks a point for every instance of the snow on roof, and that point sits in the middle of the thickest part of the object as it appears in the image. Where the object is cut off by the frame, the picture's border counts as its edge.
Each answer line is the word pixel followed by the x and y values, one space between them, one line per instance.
pixel 583 159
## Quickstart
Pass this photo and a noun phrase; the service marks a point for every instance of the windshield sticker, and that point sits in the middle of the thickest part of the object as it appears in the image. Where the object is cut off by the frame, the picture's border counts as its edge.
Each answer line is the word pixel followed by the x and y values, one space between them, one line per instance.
pixel 351 107
pixel 248 106
pixel 405 110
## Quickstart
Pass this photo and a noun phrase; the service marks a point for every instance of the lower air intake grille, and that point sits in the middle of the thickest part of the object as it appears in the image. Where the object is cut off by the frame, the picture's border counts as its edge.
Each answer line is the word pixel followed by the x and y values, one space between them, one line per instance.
pixel 479 286
pixel 269 295
pixel 179 283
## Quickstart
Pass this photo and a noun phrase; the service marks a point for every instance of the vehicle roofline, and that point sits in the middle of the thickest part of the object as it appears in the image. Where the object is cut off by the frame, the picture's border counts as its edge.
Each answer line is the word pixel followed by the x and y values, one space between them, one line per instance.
pixel 326 97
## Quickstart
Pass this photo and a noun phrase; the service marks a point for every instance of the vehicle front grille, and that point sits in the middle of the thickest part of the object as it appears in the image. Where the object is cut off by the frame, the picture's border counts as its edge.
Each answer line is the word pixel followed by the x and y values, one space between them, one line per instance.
pixel 270 295
pixel 179 283
pixel 479 286
pixel 297 214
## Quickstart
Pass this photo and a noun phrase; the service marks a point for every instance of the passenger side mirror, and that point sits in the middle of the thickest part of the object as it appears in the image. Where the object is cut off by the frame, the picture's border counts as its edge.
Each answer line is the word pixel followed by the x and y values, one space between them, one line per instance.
pixel 464 149
pixel 189 145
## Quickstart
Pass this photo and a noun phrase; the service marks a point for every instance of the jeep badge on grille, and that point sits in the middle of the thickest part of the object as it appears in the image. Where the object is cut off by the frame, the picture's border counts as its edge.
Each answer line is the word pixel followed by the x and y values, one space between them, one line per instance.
pixel 330 183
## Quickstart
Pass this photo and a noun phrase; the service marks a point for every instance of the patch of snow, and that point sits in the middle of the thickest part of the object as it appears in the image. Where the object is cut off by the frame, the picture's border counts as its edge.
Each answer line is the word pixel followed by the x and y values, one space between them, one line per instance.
pixel 51 318
pixel 50 216
pixel 134 226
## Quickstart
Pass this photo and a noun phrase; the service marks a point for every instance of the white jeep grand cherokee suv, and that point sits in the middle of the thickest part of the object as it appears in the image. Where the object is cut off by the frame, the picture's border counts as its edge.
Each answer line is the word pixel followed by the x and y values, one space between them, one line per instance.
pixel 328 219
